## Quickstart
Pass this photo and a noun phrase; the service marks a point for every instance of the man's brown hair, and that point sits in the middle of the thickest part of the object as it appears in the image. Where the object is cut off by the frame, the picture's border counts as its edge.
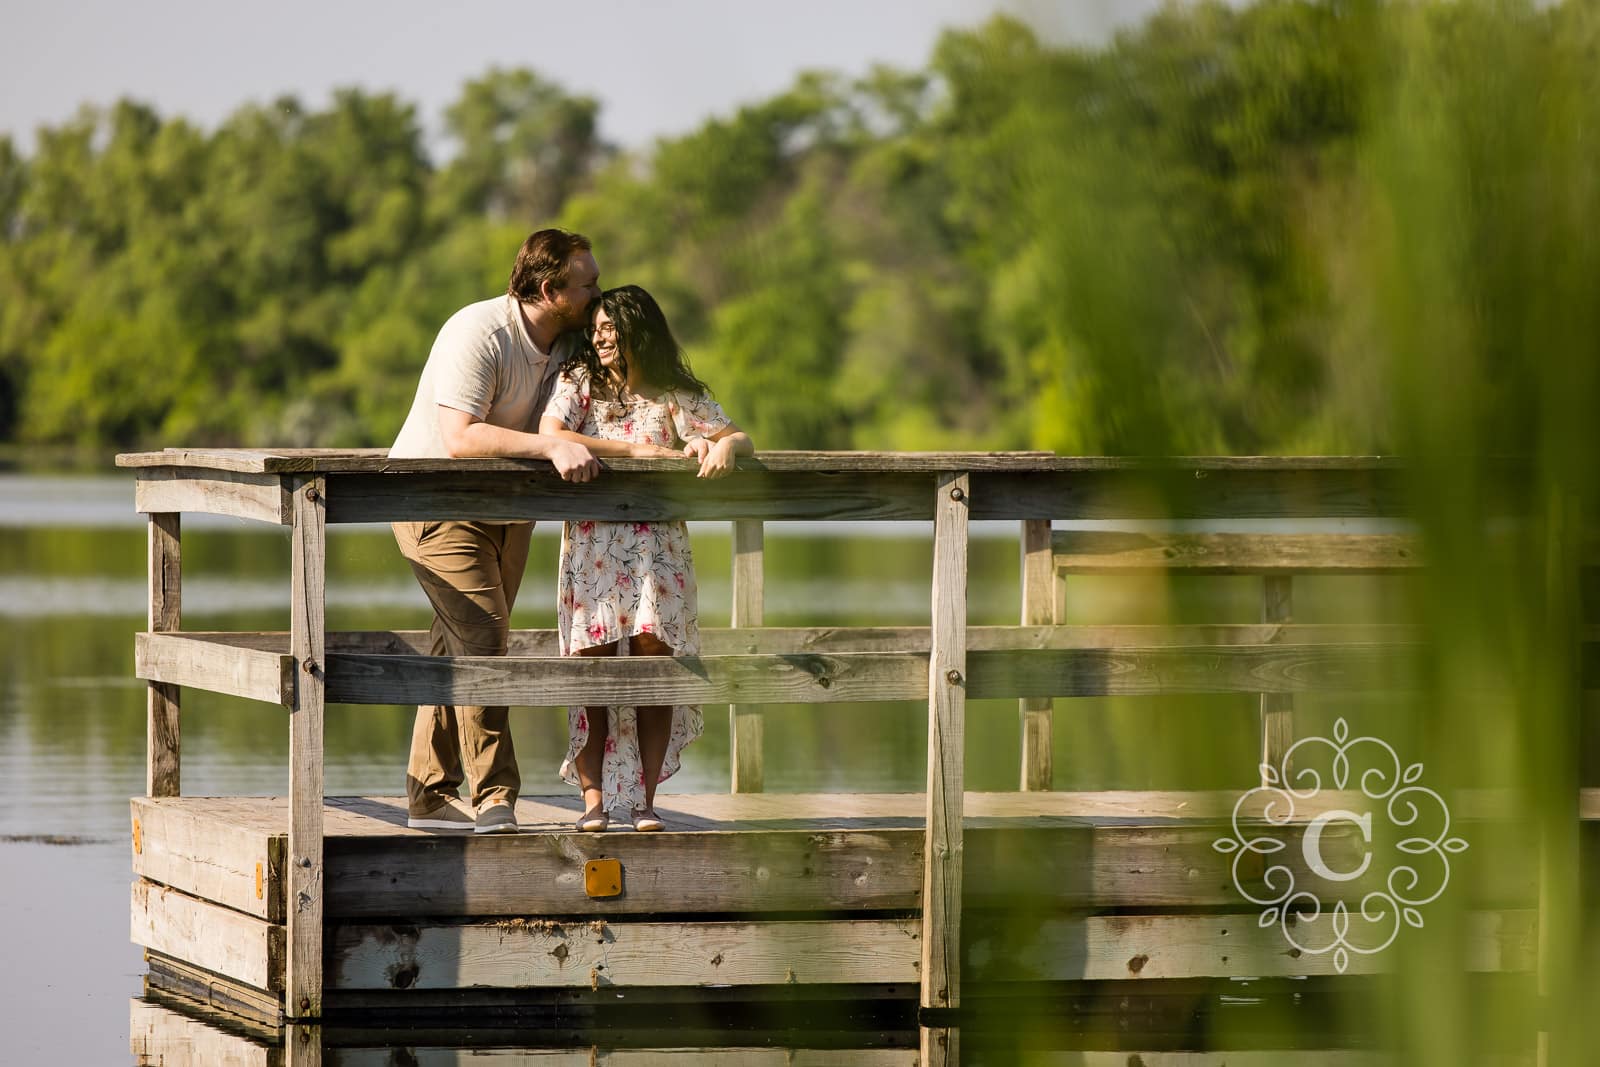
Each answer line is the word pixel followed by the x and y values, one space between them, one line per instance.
pixel 544 257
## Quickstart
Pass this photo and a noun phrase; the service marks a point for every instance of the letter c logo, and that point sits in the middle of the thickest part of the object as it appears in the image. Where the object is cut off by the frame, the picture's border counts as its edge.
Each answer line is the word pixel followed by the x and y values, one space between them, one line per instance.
pixel 1312 845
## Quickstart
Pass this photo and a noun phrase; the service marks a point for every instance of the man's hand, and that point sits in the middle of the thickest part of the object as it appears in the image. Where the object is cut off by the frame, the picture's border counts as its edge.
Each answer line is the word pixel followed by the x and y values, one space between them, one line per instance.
pixel 573 461
pixel 717 459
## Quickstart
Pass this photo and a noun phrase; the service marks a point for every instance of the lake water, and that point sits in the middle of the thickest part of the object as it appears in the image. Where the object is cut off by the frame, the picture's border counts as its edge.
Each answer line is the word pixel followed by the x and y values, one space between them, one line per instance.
pixel 72 715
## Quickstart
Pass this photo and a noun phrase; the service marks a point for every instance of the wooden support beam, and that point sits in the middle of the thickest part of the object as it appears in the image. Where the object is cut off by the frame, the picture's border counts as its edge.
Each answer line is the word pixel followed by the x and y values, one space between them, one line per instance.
pixel 207 935
pixel 1037 610
pixel 939 1046
pixel 216 666
pixel 745 753
pixel 947 679
pixel 163 749
pixel 1277 709
pixel 308 581
pixel 541 953
pixel 261 497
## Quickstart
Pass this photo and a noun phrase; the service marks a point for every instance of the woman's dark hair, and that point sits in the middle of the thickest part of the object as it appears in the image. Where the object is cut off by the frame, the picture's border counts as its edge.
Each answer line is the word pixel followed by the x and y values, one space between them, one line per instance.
pixel 644 340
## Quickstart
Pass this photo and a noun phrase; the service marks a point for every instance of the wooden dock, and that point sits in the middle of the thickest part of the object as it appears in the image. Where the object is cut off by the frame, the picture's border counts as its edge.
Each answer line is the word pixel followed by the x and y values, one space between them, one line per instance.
pixel 307 908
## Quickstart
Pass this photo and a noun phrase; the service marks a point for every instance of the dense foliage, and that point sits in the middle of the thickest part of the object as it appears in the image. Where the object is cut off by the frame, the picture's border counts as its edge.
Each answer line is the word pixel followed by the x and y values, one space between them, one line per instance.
pixel 1165 244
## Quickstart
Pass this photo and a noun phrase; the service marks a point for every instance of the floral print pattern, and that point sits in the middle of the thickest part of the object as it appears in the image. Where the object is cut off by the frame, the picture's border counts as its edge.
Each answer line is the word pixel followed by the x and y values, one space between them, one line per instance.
pixel 618 579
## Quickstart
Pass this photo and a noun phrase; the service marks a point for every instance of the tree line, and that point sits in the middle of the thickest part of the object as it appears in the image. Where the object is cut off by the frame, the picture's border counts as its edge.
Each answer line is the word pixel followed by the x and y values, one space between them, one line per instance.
pixel 1172 242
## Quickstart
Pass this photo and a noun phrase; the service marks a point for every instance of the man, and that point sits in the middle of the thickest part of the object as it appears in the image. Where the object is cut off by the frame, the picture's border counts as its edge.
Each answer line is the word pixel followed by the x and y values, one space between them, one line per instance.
pixel 482 390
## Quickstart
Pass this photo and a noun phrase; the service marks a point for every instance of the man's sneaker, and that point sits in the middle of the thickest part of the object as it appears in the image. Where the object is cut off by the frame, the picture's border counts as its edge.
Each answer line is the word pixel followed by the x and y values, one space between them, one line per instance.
pixel 497 819
pixel 453 816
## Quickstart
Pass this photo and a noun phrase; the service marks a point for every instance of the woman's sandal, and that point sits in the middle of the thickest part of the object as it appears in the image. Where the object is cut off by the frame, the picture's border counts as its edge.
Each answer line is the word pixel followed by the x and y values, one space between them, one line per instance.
pixel 593 821
pixel 646 821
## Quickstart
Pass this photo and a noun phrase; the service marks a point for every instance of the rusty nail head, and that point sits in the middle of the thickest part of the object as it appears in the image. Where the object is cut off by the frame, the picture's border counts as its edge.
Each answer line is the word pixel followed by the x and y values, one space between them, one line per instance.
pixel 309 666
pixel 957 495
pixel 305 1003
pixel 953 677
pixel 311 494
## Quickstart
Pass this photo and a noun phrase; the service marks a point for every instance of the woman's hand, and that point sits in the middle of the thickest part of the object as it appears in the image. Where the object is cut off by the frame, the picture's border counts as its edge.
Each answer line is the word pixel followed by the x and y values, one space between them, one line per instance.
pixel 716 460
pixel 648 451
pixel 696 448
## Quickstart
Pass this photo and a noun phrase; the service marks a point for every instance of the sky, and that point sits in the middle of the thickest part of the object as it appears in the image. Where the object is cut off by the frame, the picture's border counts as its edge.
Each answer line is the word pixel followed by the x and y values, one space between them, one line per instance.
pixel 658 68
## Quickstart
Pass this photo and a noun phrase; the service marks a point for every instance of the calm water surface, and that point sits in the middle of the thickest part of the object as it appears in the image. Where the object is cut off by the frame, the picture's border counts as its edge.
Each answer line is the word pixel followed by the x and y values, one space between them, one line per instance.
pixel 72 718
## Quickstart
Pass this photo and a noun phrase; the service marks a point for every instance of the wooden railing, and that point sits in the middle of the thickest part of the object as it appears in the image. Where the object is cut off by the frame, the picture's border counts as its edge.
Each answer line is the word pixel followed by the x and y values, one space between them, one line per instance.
pixel 944 664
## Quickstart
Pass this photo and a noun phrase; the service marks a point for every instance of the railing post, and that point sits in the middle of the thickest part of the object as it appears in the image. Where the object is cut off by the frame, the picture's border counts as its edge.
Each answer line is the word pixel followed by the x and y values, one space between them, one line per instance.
pixel 1277 709
pixel 163 735
pixel 749 599
pixel 947 679
pixel 1037 610
pixel 303 908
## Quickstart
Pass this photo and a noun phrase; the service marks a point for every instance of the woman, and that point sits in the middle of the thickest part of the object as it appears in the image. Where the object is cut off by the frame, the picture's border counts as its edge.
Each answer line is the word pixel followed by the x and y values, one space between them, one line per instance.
pixel 628 588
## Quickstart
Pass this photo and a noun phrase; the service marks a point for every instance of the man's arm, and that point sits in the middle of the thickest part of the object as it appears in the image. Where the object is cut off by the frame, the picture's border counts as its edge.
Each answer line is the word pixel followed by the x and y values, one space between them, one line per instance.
pixel 467 436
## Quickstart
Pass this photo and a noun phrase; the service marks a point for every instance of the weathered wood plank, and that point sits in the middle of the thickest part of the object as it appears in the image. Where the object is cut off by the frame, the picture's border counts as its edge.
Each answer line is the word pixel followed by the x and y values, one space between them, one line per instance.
pixel 1038 609
pixel 376 460
pixel 540 874
pixel 947 670
pixel 594 1056
pixel 1112 947
pixel 261 497
pixel 776 640
pixel 1277 709
pixel 841 678
pixel 215 859
pixel 238 946
pixel 801 678
pixel 653 496
pixel 215 666
pixel 1139 552
pixel 749 601
pixel 244 1005
pixel 304 903
pixel 163 725
pixel 1217 669
pixel 543 953
pixel 1193 492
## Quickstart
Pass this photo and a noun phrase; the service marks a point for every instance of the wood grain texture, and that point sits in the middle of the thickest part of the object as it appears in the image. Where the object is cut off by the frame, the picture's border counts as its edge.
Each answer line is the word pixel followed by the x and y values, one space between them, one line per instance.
pixel 1038 609
pixel 544 953
pixel 260 497
pixel 376 460
pixel 778 640
pixel 241 947
pixel 304 903
pixel 219 667
pixel 164 602
pixel 1277 709
pixel 215 858
pixel 1132 947
pixel 1138 552
pixel 636 496
pixel 745 722
pixel 947 694
pixel 841 678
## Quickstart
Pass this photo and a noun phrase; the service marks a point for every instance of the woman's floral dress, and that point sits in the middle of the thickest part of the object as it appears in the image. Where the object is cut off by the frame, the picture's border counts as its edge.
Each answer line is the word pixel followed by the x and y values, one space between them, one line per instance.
pixel 618 579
